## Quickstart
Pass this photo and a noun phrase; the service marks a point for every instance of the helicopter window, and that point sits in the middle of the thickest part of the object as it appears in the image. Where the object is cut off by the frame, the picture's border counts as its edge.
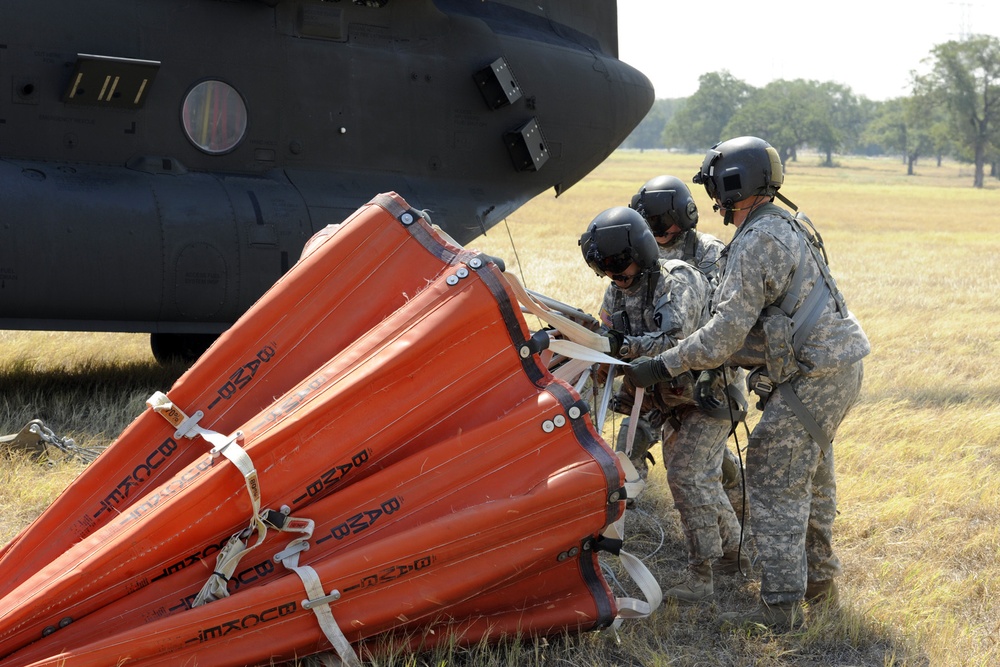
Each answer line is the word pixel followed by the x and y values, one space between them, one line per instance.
pixel 214 117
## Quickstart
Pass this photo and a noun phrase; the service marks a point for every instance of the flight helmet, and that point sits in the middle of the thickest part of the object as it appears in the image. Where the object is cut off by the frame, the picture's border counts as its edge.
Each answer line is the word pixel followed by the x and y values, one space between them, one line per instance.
pixel 616 238
pixel 739 168
pixel 665 201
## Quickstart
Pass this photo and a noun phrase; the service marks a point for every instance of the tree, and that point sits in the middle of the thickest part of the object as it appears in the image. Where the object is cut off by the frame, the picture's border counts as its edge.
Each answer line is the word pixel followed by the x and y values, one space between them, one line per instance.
pixel 649 132
pixel 847 118
pixel 905 125
pixel 965 78
pixel 698 124
pixel 786 114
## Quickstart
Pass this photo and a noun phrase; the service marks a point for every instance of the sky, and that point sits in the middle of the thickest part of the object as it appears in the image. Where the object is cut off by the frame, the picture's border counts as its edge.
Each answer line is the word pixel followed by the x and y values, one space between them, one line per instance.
pixel 868 45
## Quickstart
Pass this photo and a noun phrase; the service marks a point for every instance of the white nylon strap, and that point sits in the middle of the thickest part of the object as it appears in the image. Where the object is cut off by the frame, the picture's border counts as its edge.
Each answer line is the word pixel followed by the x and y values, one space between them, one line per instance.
pixel 634 484
pixel 630 608
pixel 229 558
pixel 602 409
pixel 318 599
pixel 574 331
pixel 573 371
pixel 568 348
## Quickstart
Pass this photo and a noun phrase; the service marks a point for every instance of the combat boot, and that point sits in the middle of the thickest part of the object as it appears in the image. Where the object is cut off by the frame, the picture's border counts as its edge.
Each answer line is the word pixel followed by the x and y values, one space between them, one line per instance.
pixel 732 562
pixel 696 587
pixel 780 617
pixel 823 592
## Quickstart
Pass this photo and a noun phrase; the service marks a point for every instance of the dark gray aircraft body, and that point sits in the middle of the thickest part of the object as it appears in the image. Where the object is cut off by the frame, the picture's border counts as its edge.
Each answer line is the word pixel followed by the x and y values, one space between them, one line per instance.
pixel 162 162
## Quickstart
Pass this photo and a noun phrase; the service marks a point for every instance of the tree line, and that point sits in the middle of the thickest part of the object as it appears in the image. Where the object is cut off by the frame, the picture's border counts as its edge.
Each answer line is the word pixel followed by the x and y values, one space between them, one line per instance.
pixel 953 111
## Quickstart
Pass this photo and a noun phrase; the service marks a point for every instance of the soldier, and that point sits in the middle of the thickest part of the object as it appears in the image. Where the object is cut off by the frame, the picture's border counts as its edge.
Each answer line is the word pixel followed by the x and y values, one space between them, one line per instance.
pixel 672 215
pixel 655 304
pixel 778 312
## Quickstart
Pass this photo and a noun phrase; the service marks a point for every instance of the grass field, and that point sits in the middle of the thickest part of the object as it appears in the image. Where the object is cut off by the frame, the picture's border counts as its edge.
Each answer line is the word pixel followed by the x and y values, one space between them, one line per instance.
pixel 917 459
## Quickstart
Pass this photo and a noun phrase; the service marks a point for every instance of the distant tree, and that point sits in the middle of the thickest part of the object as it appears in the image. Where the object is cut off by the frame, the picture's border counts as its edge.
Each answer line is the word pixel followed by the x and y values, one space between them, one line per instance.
pixel 698 124
pixel 904 125
pixel 867 110
pixel 847 118
pixel 649 132
pixel 791 114
pixel 965 79
pixel 788 115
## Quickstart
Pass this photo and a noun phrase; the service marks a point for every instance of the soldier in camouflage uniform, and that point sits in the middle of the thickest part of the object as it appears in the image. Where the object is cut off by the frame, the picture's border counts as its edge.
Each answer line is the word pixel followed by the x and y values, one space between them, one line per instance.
pixel 658 302
pixel 672 215
pixel 778 311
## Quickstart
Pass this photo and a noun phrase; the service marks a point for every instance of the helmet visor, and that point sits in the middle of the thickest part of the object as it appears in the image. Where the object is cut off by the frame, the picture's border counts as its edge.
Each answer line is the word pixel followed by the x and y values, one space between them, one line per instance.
pixel 616 263
pixel 659 224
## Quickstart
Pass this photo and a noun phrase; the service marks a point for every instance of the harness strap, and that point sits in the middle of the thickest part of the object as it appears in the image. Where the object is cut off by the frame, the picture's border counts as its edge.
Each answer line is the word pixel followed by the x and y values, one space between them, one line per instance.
pixel 736 411
pixel 804 317
pixel 690 248
pixel 633 421
pixel 806 417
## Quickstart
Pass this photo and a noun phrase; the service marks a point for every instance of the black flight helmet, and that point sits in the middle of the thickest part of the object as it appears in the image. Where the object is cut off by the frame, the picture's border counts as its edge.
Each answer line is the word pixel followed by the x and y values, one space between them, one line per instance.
pixel 739 168
pixel 665 201
pixel 616 238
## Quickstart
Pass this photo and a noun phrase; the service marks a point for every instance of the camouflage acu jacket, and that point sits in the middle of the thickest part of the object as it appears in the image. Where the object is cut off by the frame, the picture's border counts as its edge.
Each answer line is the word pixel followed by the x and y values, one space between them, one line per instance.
pixel 760 263
pixel 702 251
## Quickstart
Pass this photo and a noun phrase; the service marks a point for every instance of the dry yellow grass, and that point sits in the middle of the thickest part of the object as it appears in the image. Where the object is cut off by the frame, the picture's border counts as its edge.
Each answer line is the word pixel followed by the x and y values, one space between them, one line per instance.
pixel 919 481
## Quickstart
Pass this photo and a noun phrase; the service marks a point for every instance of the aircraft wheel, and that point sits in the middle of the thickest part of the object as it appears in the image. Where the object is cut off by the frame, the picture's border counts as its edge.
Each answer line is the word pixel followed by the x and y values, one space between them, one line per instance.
pixel 168 348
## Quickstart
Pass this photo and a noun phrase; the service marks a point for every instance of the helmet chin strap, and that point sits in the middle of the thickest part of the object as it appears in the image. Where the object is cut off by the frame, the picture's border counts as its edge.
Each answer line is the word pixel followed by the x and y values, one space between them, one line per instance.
pixel 633 286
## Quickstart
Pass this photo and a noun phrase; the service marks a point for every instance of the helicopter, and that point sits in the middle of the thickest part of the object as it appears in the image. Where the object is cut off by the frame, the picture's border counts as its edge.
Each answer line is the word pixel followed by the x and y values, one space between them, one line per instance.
pixel 163 162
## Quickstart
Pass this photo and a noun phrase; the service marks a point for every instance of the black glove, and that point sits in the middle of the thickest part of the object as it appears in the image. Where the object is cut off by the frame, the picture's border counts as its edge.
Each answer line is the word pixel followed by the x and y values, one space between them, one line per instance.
pixel 646 371
pixel 704 393
pixel 615 340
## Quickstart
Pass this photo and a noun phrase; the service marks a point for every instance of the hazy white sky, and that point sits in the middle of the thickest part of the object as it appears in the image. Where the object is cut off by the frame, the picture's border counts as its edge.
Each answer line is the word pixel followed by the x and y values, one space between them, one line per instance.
pixel 869 45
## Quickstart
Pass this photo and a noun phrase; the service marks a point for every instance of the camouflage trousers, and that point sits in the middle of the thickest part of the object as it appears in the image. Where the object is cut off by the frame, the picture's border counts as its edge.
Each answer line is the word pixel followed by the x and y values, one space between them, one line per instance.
pixel 693 454
pixel 792 488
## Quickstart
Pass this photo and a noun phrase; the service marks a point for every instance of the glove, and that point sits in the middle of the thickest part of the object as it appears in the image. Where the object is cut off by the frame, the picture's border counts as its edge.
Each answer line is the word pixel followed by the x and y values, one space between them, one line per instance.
pixel 704 390
pixel 646 371
pixel 615 340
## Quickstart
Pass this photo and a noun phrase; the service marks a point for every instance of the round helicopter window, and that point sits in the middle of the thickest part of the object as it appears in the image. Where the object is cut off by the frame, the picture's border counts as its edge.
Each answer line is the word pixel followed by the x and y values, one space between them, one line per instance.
pixel 214 117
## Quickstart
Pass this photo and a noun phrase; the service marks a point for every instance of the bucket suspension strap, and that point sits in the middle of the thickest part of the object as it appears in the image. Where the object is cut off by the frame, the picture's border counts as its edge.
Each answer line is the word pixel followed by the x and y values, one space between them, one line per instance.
pixel 228 446
pixel 573 331
pixel 318 599
pixel 237 547
pixel 614 534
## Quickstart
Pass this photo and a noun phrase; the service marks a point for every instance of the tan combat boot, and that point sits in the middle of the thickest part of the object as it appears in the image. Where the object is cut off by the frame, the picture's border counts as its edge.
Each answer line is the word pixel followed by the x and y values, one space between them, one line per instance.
pixel 823 593
pixel 732 562
pixel 696 587
pixel 780 617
